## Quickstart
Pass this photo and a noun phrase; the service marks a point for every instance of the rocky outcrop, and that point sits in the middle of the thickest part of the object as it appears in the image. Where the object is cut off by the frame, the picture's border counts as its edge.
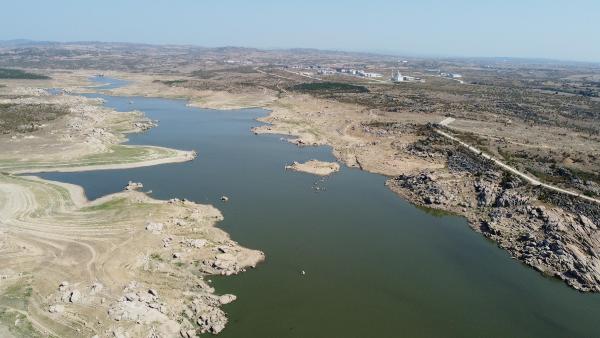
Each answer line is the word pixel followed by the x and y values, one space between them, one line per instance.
pixel 486 192
pixel 139 305
pixel 155 228
pixel 460 161
pixel 425 186
pixel 574 205
pixel 551 240
pixel 205 311
pixel 560 240
pixel 134 186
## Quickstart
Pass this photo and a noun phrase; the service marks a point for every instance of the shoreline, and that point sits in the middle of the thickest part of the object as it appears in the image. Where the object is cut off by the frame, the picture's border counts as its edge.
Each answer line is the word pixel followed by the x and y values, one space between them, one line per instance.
pixel 88 251
pixel 516 208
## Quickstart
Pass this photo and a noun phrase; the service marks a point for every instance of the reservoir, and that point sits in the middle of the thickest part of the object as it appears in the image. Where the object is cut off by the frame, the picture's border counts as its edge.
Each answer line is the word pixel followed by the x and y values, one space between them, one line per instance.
pixel 375 266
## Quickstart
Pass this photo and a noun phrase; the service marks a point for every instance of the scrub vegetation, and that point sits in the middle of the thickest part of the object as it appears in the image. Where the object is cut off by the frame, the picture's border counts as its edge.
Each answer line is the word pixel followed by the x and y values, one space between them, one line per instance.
pixel 8 73
pixel 28 117
pixel 329 87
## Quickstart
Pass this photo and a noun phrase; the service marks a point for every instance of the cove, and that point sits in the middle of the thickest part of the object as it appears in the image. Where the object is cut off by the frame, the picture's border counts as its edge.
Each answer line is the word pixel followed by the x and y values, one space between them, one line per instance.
pixel 375 265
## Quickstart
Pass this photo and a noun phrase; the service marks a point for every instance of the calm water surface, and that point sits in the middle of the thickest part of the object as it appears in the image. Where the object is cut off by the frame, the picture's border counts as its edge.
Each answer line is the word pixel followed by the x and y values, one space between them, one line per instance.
pixel 375 265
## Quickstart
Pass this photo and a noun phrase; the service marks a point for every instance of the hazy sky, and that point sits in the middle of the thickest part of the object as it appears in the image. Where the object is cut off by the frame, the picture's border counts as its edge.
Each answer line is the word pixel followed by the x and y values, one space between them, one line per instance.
pixel 524 28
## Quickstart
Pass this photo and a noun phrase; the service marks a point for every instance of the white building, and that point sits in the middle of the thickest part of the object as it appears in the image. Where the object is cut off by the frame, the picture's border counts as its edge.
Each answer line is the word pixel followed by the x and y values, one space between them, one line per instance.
pixel 367 74
pixel 326 71
pixel 397 76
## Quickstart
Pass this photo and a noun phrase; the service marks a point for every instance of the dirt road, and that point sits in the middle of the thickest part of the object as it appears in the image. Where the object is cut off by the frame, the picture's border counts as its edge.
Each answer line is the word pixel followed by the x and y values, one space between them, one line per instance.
pixel 530 179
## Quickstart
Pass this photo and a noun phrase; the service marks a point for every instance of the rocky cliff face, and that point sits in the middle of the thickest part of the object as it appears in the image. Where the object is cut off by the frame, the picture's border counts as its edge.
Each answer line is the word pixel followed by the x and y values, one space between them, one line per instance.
pixel 556 234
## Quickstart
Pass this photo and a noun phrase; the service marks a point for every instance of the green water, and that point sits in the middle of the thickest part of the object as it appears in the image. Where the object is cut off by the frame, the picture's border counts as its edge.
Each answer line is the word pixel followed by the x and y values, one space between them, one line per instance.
pixel 375 265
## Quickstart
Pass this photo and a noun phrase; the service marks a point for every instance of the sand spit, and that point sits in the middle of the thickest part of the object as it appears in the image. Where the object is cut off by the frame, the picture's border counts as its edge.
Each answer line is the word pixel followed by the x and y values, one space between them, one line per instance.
pixel 315 167
pixel 175 157
pixel 125 265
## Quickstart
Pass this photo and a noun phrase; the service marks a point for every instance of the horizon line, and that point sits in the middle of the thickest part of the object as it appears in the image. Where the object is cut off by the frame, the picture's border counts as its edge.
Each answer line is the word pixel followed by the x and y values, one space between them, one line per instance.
pixel 379 52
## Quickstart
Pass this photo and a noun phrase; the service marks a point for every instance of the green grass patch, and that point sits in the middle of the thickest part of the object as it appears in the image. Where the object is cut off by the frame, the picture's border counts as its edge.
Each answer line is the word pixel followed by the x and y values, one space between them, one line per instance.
pixel 171 82
pixel 329 87
pixel 28 117
pixel 119 154
pixel 382 124
pixel 15 300
pixel 7 73
pixel 156 256
pixel 208 74
pixel 16 296
pixel 112 204
pixel 17 324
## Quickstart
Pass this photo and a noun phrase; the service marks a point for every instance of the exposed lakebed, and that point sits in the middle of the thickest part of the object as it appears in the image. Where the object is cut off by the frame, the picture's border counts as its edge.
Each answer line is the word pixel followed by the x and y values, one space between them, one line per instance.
pixel 375 265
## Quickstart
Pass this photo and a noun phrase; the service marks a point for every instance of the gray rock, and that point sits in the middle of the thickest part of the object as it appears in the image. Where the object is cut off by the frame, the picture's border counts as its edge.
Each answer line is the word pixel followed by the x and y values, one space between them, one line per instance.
pixel 226 299
pixel 63 285
pixel 586 222
pixel 155 228
pixel 130 296
pixel 56 308
pixel 75 296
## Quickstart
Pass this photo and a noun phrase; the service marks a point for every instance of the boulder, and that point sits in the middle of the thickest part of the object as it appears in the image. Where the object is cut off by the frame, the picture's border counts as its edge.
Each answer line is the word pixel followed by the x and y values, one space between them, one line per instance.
pixel 134 186
pixel 75 296
pixel 586 222
pixel 226 299
pixel 131 296
pixel 486 193
pixel 96 287
pixel 56 308
pixel 155 228
pixel 63 285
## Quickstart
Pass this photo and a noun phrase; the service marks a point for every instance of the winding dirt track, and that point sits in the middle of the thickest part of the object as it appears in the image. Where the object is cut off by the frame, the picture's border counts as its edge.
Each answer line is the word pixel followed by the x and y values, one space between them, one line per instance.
pixel 51 233
pixel 45 234
pixel 532 180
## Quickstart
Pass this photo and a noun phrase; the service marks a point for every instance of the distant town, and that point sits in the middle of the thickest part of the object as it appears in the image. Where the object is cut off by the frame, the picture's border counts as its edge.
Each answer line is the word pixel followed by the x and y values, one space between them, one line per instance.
pixel 384 75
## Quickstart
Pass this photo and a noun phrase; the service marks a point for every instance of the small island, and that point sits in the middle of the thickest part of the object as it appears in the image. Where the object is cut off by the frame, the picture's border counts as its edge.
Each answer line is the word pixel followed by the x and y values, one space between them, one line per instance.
pixel 315 167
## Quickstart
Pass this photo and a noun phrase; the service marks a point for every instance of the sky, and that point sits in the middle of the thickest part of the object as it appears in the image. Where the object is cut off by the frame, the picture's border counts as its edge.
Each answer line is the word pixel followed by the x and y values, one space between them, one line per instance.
pixel 554 29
